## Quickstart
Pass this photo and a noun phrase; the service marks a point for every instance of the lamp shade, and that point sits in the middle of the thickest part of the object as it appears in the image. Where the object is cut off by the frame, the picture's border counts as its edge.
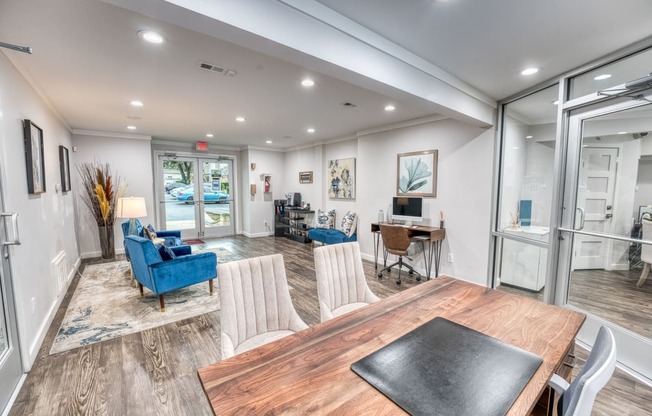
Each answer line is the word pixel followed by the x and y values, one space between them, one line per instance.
pixel 131 207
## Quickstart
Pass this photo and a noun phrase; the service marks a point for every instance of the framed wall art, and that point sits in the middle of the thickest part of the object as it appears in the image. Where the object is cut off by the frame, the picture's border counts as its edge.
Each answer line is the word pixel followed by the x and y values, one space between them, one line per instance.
pixel 64 167
pixel 417 173
pixel 305 177
pixel 34 157
pixel 341 178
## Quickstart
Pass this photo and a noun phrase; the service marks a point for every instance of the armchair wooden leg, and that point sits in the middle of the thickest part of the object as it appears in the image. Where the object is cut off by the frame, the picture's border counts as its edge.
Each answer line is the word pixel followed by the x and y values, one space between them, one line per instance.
pixel 140 286
pixel 210 286
pixel 162 302
pixel 646 271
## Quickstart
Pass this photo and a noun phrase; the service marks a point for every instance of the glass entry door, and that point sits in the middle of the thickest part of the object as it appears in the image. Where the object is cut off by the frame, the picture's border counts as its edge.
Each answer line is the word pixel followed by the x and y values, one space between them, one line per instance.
pixel 196 196
pixel 605 238
pixel 11 369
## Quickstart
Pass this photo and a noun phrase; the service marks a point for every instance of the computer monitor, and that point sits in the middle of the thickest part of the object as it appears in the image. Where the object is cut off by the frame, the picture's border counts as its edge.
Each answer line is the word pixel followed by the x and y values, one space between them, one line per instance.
pixel 407 208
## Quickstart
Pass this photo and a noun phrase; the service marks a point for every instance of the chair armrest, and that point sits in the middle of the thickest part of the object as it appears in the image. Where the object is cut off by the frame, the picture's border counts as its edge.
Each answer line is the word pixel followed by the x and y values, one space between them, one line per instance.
pixel 183 271
pixel 181 250
pixel 558 384
pixel 169 233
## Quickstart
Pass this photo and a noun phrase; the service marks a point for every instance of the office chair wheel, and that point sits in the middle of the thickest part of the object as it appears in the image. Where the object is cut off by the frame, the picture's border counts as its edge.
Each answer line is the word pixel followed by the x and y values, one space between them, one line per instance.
pixel 398 282
pixel 380 274
pixel 418 278
pixel 411 272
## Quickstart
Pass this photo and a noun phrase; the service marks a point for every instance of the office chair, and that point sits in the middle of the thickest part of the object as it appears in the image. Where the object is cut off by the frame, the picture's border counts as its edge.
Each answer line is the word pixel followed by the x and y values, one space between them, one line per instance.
pixel 646 251
pixel 576 398
pixel 256 304
pixel 396 241
pixel 341 283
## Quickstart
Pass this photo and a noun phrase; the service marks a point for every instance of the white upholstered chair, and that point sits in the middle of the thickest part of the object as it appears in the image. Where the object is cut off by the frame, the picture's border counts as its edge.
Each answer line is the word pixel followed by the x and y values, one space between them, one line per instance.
pixel 576 398
pixel 646 251
pixel 256 307
pixel 341 283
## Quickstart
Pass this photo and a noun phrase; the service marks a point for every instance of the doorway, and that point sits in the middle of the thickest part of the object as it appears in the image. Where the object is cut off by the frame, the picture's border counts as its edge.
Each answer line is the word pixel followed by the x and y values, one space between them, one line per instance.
pixel 196 196
pixel 11 369
pixel 601 234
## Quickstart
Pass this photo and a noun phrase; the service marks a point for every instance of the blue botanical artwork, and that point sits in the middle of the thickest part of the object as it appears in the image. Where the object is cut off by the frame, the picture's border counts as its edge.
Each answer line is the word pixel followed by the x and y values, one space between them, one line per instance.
pixel 417 173
pixel 341 178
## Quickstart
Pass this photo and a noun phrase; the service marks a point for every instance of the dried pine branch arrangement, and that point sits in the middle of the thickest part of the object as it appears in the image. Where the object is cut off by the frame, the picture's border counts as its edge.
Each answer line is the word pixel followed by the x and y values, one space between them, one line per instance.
pixel 100 191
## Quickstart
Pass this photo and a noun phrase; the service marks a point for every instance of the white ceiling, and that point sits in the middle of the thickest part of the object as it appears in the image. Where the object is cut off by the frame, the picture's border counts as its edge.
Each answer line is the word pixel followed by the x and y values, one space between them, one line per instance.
pixel 89 62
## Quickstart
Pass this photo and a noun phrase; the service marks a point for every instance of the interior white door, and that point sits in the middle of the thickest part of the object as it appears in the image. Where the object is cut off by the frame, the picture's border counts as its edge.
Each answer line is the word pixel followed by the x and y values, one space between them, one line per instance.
pixel 11 369
pixel 595 197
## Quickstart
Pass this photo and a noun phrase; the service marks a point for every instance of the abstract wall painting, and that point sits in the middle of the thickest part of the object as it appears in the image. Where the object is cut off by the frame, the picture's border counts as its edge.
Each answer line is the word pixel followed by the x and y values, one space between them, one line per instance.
pixel 341 178
pixel 417 173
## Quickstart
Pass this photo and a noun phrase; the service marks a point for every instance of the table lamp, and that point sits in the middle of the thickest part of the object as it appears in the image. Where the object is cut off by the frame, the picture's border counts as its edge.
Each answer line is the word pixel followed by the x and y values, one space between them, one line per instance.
pixel 131 207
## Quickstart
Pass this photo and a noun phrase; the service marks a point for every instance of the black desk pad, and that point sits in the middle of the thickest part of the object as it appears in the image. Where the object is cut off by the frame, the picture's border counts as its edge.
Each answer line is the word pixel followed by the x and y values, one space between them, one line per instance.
pixel 443 368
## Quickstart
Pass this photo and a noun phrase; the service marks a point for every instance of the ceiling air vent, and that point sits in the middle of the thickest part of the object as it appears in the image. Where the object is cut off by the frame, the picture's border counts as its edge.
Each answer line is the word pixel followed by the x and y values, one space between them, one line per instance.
pixel 210 67
pixel 348 104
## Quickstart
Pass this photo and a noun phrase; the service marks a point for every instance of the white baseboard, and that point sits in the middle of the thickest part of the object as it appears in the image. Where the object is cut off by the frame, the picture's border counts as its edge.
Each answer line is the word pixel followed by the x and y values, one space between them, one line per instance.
pixel 618 266
pixel 256 235
pixel 95 254
pixel 28 361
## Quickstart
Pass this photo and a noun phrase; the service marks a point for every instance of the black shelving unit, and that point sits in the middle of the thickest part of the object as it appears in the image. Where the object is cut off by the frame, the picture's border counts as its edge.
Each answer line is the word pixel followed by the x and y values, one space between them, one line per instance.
pixel 290 222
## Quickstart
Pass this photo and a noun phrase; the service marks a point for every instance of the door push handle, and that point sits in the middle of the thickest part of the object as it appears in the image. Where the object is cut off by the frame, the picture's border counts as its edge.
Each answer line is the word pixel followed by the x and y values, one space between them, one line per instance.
pixel 608 215
pixel 609 207
pixel 14 224
pixel 581 210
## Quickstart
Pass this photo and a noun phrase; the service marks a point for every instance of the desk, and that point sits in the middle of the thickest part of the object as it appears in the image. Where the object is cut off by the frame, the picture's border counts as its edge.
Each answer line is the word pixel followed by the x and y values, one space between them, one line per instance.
pixel 434 236
pixel 309 372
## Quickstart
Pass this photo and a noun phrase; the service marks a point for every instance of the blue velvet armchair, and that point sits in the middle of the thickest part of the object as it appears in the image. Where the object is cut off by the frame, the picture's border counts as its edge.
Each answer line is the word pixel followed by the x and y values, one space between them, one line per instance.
pixel 161 277
pixel 172 237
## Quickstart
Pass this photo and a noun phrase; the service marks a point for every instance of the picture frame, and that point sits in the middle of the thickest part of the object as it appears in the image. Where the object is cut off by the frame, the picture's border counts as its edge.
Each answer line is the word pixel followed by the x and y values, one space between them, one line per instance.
pixel 305 177
pixel 416 173
pixel 341 179
pixel 34 157
pixel 64 168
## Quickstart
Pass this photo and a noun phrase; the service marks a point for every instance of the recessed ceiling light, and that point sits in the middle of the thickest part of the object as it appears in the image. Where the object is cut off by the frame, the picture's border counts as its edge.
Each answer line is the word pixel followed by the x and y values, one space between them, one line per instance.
pixel 131 127
pixel 601 77
pixel 529 137
pixel 390 108
pixel 137 103
pixel 310 130
pixel 555 102
pixel 209 135
pixel 622 132
pixel 151 37
pixel 240 119
pixel 268 141
pixel 308 83
pixel 529 71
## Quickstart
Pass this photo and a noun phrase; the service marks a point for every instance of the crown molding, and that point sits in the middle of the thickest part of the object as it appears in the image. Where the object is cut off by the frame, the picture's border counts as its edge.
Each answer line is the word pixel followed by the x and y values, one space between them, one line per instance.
pixel 95 133
pixel 408 123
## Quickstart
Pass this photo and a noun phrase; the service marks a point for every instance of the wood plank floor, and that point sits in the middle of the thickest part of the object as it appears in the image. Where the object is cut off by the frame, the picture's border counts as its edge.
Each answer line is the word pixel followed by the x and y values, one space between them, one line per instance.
pixel 154 372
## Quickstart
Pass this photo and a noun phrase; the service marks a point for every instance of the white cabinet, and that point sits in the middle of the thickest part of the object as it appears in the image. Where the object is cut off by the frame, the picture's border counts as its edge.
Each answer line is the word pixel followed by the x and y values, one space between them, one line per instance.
pixel 524 265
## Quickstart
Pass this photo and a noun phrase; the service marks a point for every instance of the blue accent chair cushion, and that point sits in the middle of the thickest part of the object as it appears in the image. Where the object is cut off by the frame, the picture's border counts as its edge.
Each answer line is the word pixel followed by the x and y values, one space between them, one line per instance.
pixel 172 237
pixel 166 252
pixel 165 276
pixel 329 236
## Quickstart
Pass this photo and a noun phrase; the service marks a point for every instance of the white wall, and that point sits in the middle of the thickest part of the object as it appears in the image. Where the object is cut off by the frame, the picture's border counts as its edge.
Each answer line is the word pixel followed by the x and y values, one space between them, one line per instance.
pixel 131 160
pixel 261 206
pixel 304 160
pixel 340 150
pixel 47 221
pixel 643 194
pixel 464 173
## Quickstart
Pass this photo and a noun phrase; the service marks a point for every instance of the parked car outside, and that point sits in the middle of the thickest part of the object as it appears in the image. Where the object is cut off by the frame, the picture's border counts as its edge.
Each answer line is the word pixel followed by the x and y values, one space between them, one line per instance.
pixel 188 196
pixel 175 192
pixel 172 185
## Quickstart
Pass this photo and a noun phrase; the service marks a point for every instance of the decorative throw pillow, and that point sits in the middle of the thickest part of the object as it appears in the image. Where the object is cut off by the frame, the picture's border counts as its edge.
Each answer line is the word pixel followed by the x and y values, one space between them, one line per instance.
pixel 349 223
pixel 166 252
pixel 325 219
pixel 148 234
pixel 152 231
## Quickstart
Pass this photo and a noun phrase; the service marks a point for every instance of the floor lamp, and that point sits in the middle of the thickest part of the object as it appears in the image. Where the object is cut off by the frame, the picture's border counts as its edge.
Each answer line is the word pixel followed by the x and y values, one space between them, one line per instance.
pixel 131 207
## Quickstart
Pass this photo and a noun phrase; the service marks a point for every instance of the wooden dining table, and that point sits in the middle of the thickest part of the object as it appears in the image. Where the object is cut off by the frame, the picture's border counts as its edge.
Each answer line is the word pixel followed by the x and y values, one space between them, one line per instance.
pixel 309 372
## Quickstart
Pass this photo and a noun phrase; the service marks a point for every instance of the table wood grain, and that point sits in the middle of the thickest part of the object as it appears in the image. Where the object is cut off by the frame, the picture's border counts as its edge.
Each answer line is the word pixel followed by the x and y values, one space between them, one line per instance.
pixel 309 372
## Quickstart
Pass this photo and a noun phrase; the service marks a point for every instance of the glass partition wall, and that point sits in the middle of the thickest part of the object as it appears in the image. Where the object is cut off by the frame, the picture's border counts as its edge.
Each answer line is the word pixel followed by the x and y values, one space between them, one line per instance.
pixel 525 192
pixel 573 192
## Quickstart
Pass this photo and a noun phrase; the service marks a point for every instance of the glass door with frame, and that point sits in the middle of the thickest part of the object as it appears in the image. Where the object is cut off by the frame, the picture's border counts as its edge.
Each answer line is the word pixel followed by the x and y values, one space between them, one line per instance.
pixel 11 369
pixel 196 196
pixel 605 242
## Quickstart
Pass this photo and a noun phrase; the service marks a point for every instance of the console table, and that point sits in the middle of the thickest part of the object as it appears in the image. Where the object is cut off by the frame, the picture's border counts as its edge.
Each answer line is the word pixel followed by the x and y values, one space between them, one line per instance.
pixel 433 235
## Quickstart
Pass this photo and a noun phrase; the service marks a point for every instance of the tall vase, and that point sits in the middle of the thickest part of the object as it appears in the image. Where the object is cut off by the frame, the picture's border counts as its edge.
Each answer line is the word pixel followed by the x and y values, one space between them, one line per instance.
pixel 106 242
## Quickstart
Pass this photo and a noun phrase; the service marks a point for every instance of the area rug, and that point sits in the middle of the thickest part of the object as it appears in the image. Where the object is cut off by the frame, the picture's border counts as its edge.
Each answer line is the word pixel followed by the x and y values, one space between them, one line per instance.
pixel 193 241
pixel 107 305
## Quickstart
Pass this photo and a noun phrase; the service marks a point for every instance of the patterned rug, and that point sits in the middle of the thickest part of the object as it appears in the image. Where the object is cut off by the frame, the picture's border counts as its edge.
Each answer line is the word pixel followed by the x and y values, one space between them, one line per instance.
pixel 107 305
pixel 193 241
